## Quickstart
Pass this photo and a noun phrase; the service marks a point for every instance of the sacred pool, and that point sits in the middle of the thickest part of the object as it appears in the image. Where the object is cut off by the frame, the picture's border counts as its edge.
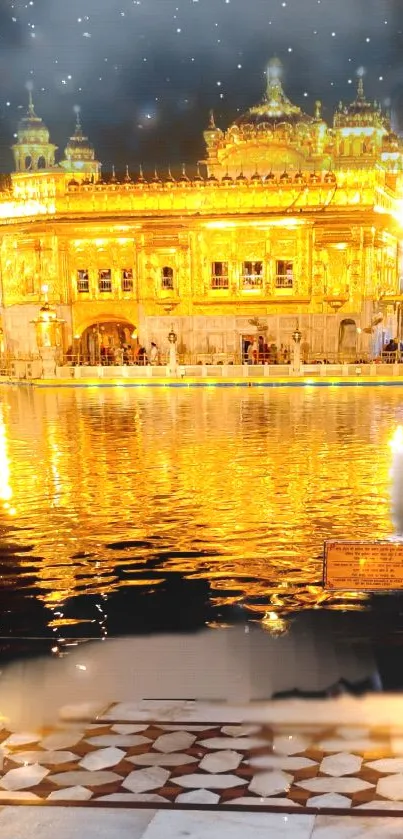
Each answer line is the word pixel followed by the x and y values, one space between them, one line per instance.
pixel 121 508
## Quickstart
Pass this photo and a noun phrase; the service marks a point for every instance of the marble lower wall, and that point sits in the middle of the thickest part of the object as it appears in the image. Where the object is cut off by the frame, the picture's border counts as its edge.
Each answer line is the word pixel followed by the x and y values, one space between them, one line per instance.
pixel 205 334
pixel 215 335
pixel 19 329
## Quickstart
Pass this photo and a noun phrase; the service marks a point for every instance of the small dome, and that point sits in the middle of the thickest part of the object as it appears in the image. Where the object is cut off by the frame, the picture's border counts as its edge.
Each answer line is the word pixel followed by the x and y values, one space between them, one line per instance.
pixel 198 178
pixel 183 178
pixel 299 178
pixel 170 178
pixel 227 178
pixel 361 112
pixel 31 128
pixel 270 177
pixel 314 178
pixel 285 178
pixel 212 179
pixel 78 147
pixel 72 183
pixel 241 179
pixel 141 179
pixel 256 178
pixel 212 133
pixel 330 178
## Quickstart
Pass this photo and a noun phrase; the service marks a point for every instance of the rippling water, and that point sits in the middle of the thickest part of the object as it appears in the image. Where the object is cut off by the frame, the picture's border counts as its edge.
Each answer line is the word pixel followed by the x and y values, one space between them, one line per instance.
pixel 127 509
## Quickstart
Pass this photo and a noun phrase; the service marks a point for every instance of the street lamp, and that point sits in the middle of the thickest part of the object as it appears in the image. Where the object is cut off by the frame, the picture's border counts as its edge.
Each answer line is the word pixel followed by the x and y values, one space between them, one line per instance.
pixel 296 361
pixel 172 337
pixel 173 361
pixel 297 335
pixel 48 327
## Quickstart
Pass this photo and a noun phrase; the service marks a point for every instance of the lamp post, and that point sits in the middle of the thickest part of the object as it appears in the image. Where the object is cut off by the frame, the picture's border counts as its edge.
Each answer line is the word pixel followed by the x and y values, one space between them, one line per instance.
pixel 296 359
pixel 48 338
pixel 173 359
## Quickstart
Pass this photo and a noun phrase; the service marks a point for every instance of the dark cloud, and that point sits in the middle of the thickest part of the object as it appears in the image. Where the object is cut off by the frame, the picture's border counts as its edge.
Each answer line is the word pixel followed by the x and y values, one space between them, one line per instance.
pixel 152 100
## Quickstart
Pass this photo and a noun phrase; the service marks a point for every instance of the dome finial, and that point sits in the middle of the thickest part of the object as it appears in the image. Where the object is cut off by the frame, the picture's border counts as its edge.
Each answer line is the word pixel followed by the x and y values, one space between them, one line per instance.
pixel 212 120
pixel 360 86
pixel 128 179
pixel 31 110
pixel 318 109
pixel 274 72
pixel 77 111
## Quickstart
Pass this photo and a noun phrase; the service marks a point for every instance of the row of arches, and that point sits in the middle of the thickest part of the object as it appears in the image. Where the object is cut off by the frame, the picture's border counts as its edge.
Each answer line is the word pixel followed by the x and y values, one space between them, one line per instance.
pixel 112 334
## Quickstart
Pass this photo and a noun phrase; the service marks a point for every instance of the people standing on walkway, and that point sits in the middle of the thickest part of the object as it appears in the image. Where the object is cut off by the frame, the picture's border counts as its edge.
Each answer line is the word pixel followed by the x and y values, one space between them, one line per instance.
pixel 154 354
pixel 118 353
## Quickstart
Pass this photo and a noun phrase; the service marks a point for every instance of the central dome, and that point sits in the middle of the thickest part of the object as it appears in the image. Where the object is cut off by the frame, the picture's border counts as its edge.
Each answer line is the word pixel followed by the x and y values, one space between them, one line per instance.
pixel 275 135
pixel 275 108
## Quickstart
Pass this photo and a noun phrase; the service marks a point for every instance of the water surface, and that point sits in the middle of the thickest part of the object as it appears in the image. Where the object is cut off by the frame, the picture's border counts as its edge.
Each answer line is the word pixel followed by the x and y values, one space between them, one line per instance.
pixel 124 510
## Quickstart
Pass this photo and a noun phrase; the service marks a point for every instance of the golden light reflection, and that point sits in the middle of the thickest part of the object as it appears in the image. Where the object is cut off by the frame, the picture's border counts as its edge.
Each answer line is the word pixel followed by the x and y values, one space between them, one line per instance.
pixel 274 624
pixel 396 442
pixel 118 490
pixel 6 492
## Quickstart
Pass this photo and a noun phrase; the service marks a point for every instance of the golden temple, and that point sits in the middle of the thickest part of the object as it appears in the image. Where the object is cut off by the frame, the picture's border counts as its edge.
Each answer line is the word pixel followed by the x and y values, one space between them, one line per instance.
pixel 286 218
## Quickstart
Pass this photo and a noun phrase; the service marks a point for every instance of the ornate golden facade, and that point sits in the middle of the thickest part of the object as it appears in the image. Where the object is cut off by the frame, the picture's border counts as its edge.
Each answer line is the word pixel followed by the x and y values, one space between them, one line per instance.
pixel 292 219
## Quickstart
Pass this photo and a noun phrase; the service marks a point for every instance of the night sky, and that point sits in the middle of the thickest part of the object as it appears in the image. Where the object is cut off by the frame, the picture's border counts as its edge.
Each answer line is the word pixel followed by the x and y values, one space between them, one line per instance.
pixel 146 72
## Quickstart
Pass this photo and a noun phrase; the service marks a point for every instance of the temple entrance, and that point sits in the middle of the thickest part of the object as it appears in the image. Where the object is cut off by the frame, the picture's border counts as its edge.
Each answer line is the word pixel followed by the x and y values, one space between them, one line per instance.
pixel 110 343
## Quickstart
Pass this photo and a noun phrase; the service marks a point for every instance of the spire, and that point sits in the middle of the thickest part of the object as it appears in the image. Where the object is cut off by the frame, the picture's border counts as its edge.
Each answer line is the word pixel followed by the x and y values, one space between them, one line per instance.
pixel 212 124
pixel 274 86
pixel 360 89
pixel 31 110
pixel 128 179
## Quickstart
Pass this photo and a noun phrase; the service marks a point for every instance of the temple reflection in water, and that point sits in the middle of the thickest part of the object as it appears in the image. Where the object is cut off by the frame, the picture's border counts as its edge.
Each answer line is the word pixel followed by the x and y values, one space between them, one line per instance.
pixel 109 496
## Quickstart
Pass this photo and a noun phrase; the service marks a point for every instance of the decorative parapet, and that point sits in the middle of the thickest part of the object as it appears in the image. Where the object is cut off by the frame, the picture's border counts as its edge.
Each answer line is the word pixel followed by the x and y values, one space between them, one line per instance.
pixel 303 193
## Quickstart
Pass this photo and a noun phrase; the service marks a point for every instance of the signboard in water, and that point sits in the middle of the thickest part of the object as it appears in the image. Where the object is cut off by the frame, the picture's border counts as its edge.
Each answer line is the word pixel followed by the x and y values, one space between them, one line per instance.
pixel 363 566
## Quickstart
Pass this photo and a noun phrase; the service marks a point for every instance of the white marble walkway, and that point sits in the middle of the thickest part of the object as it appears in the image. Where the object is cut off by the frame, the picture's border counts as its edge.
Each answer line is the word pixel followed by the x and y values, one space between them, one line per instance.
pixel 103 823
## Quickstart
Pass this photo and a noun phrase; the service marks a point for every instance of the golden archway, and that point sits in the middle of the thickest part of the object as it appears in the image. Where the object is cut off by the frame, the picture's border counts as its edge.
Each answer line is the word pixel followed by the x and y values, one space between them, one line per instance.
pixel 106 340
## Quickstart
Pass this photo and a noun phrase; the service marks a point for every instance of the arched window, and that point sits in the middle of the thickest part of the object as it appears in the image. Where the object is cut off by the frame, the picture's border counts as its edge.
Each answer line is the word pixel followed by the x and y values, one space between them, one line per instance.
pixel 167 278
pixel 41 162
pixel 28 162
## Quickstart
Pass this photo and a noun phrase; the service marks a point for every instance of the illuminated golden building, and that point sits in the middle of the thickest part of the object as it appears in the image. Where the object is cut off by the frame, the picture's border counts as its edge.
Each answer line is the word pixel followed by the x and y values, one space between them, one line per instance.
pixel 291 218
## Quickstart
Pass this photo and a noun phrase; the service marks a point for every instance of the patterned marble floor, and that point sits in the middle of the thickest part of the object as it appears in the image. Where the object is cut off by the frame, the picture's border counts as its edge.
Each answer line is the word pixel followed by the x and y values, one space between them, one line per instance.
pixel 124 758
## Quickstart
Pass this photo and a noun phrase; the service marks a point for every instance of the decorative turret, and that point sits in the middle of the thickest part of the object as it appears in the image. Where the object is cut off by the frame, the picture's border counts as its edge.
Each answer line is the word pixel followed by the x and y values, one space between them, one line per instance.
pixel 213 134
pixel 360 127
pixel 361 113
pixel 33 151
pixel 79 154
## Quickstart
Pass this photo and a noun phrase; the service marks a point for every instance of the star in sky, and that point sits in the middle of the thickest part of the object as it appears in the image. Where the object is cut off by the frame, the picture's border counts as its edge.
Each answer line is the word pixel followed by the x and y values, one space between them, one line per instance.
pixel 146 72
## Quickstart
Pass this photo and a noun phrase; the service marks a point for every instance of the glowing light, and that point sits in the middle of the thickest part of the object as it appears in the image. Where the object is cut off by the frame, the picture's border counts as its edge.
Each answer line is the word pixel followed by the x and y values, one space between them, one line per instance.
pixel 396 442
pixel 6 492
